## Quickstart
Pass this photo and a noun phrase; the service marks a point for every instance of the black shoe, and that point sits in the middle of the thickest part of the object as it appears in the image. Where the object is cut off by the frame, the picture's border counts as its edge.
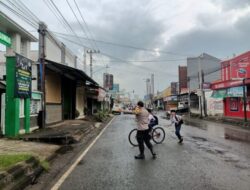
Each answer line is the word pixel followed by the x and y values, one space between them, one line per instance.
pixel 140 156
pixel 154 156
pixel 181 140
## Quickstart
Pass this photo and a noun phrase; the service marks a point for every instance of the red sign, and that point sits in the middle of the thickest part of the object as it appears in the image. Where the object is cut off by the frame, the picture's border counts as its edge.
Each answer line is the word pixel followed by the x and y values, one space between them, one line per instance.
pixel 236 68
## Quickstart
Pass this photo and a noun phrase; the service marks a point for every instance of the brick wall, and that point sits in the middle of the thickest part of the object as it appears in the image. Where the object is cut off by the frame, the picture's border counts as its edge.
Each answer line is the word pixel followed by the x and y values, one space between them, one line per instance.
pixel 182 77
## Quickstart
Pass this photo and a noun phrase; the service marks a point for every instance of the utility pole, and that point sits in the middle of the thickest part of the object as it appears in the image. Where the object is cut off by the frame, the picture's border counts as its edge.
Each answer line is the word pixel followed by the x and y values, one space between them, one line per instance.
pixel 84 60
pixel 189 100
pixel 200 89
pixel 203 95
pixel 42 32
pixel 90 51
pixel 152 90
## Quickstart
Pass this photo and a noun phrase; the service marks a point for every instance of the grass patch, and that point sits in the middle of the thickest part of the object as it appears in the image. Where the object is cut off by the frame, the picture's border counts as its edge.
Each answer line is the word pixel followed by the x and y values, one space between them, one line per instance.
pixel 6 161
pixel 45 165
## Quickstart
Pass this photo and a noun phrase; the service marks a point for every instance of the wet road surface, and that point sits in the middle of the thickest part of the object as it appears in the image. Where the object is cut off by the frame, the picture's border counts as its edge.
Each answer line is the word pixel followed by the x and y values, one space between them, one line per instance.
pixel 205 161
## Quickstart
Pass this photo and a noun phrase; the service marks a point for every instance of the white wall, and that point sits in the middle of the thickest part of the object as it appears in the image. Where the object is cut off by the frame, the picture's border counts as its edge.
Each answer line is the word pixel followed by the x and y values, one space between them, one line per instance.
pixel 69 59
pixel 215 106
pixel 52 50
pixel 80 100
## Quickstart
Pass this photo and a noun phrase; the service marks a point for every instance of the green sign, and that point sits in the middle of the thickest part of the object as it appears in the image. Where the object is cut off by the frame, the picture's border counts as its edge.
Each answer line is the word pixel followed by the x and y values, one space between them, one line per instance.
pixel 235 91
pixel 219 93
pixel 23 77
pixel 5 39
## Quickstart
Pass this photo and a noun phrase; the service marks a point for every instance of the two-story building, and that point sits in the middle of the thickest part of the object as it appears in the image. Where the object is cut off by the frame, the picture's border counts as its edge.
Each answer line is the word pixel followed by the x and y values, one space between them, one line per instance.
pixel 234 74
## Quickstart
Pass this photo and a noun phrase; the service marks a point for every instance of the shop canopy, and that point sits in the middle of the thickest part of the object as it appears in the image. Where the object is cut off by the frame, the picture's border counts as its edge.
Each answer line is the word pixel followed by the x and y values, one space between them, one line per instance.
pixel 229 92
pixel 70 72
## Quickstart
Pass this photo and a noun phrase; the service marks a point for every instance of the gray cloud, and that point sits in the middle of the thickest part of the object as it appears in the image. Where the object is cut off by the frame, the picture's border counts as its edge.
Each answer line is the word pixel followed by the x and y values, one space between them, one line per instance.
pixel 221 42
pixel 137 23
pixel 232 4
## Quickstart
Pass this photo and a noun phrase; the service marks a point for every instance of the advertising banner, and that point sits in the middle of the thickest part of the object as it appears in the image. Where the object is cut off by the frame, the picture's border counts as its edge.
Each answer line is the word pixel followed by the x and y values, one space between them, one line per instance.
pixel 241 68
pixel 23 77
pixel 235 91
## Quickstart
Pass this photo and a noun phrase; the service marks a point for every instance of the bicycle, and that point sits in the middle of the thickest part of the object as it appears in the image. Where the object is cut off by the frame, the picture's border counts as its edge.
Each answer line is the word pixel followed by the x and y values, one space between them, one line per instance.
pixel 157 134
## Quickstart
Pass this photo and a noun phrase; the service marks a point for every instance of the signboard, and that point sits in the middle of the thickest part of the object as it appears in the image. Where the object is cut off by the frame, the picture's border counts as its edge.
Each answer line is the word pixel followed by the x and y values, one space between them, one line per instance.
pixel 170 98
pixel 5 39
pixel 206 85
pixel 240 68
pixel 235 91
pixel 219 93
pixel 234 104
pixel 23 77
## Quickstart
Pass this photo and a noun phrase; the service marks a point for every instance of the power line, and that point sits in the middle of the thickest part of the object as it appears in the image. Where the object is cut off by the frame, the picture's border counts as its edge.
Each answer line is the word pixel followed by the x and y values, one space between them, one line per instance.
pixel 211 71
pixel 55 13
pixel 124 45
pixel 20 9
pixel 111 56
pixel 64 18
pixel 87 28
pixel 29 12
pixel 21 16
pixel 77 19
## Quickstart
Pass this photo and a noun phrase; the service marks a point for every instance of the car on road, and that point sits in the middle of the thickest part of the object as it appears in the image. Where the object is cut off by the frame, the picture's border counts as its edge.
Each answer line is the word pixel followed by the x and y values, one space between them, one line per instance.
pixel 117 109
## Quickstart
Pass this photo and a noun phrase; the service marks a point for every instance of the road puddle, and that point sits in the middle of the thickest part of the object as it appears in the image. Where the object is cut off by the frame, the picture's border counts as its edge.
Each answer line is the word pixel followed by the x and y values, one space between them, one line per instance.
pixel 209 147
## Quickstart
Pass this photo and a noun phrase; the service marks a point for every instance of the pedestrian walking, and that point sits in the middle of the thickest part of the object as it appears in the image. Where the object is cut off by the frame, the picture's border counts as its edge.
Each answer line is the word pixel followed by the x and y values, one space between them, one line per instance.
pixel 143 130
pixel 177 121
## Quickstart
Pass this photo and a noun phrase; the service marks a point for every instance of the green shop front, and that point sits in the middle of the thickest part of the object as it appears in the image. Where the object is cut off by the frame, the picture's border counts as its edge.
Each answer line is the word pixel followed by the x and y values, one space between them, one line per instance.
pixel 18 94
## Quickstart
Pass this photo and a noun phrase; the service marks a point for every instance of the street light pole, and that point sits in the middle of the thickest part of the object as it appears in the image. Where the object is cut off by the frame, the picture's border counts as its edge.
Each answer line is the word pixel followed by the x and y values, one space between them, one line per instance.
pixel 244 100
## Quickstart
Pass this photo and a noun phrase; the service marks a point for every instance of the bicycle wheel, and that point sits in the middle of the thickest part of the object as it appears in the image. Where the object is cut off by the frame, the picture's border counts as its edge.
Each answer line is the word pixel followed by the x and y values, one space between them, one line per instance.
pixel 132 137
pixel 158 135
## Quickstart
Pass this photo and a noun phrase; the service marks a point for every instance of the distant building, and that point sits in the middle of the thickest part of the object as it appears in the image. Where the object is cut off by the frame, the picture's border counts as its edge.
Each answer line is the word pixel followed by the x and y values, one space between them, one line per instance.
pixel 148 87
pixel 182 78
pixel 108 81
pixel 116 88
pixel 210 66
pixel 174 88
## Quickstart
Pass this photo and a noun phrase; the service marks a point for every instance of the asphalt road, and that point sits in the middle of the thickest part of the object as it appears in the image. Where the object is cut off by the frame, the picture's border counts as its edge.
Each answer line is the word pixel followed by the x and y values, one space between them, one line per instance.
pixel 205 161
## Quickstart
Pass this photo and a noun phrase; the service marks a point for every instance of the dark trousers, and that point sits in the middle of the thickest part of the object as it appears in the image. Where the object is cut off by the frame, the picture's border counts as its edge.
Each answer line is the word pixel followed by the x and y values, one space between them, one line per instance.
pixel 177 131
pixel 144 137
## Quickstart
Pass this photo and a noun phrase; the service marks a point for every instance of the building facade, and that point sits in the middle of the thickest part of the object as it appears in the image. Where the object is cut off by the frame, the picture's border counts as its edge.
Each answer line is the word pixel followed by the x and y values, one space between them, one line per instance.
pixel 235 76
pixel 108 81
pixel 182 71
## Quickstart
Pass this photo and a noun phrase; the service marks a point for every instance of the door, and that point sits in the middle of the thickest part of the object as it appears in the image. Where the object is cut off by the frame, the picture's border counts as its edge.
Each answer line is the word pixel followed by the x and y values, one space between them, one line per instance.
pixel 69 98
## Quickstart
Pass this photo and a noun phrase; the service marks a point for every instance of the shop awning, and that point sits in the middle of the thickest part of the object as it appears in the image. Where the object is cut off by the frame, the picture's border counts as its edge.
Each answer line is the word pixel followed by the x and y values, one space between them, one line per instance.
pixel 70 72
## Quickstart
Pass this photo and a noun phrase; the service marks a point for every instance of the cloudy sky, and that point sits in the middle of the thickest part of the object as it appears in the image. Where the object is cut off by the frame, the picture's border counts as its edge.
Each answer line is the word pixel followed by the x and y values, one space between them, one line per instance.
pixel 148 36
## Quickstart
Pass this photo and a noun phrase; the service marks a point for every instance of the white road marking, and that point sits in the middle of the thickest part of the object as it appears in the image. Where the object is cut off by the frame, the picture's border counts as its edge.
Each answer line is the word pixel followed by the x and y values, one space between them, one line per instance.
pixel 72 167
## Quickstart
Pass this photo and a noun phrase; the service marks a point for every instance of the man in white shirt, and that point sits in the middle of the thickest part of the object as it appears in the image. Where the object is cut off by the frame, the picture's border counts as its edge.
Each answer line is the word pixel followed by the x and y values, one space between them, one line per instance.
pixel 177 120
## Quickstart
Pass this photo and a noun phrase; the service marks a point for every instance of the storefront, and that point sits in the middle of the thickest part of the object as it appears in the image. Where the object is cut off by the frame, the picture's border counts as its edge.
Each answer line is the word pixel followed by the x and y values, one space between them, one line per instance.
pixel 65 92
pixel 233 101
pixel 235 74
pixel 170 103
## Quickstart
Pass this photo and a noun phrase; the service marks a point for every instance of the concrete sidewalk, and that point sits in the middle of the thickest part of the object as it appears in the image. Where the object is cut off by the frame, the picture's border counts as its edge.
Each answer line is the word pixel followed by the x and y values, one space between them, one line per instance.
pixel 41 150
pixel 67 132
pixel 231 131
